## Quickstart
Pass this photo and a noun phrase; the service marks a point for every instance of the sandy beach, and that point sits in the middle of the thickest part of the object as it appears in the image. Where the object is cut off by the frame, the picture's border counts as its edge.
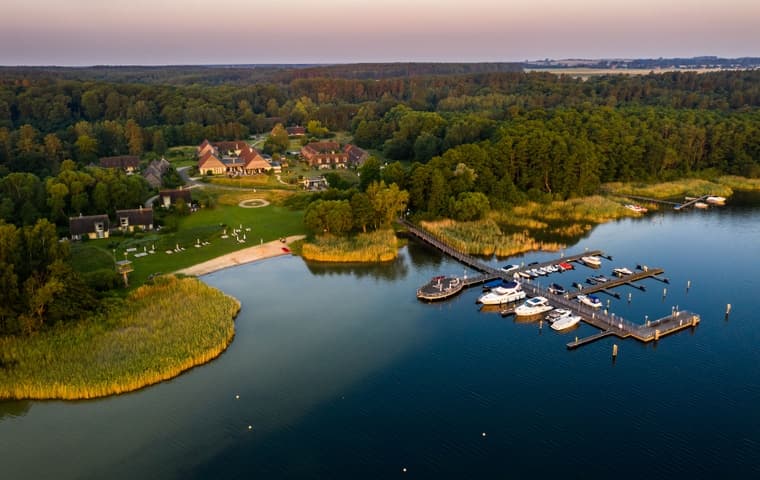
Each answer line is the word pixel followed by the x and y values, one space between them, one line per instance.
pixel 259 252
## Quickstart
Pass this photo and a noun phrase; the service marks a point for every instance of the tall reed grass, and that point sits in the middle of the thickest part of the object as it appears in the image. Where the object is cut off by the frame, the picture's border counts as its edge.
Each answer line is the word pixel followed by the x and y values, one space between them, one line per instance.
pixel 694 187
pixel 378 246
pixel 158 332
pixel 740 183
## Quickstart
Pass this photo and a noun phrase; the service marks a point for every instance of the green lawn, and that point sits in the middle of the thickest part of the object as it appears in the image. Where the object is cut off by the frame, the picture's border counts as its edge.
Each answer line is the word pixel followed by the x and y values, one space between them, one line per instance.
pixel 265 224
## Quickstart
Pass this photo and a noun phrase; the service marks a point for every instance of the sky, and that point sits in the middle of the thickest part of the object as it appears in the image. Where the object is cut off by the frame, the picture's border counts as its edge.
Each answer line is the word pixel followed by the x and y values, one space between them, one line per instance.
pixel 171 32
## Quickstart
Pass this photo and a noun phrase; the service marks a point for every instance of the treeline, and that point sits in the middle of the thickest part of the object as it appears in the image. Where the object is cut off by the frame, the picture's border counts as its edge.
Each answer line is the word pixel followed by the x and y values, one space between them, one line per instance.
pixel 43 118
pixel 37 285
pixel 25 198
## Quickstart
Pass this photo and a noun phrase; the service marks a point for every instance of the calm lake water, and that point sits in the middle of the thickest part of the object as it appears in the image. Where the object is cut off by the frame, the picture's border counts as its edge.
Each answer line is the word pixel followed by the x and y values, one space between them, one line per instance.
pixel 342 373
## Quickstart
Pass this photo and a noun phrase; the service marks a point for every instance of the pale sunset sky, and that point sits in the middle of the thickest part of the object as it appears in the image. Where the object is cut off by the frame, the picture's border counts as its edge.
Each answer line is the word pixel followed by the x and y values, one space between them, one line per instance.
pixel 160 32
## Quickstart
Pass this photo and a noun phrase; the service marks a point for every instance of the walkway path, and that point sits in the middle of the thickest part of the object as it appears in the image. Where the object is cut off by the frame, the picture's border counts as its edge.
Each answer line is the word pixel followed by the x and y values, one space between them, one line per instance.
pixel 247 255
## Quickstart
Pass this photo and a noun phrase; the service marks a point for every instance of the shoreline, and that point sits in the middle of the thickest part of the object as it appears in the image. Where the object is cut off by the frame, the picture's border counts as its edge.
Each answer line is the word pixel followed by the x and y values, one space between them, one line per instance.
pixel 241 257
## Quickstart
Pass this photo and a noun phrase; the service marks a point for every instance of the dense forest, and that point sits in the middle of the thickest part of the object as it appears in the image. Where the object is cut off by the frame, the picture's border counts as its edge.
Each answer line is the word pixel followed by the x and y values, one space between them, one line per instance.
pixel 449 140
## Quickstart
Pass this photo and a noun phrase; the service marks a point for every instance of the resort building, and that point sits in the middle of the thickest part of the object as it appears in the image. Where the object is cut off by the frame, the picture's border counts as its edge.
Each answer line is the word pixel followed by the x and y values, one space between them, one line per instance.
pixel 128 163
pixel 91 226
pixel 232 158
pixel 331 155
pixel 170 197
pixel 134 219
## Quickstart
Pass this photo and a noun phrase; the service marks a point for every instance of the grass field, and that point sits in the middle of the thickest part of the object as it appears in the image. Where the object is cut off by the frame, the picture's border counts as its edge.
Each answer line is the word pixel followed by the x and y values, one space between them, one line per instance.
pixel 207 225
pixel 160 331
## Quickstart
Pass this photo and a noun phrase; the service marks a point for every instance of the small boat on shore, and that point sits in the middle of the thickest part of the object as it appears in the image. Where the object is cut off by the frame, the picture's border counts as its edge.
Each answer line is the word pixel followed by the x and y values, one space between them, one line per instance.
pixel 636 208
pixel 592 261
pixel 533 306
pixel 566 322
pixel 557 289
pixel 715 200
pixel 507 293
pixel 621 271
pixel 701 205
pixel 440 287
pixel 590 300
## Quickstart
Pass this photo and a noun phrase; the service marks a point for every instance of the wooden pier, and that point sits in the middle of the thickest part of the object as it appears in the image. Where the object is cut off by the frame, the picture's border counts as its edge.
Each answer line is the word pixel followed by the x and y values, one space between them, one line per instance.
pixel 607 322
pixel 676 206
pixel 616 282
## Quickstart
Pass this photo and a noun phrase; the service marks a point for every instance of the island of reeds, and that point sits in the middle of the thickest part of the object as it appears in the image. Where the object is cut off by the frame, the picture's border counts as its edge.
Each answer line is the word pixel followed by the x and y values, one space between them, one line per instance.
pixel 158 332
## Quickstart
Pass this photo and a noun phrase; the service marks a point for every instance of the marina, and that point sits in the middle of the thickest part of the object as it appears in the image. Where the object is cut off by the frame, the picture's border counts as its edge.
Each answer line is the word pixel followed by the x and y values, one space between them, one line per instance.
pixel 607 322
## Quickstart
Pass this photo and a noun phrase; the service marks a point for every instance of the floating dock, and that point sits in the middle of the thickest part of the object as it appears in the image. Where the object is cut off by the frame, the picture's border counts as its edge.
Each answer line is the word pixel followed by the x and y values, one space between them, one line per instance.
pixel 606 322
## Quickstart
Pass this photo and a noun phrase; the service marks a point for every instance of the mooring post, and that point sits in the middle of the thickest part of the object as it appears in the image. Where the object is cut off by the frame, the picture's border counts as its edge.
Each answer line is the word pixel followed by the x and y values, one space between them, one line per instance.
pixel 614 350
pixel 728 310
pixel 656 335
pixel 688 285
pixel 630 296
pixel 664 292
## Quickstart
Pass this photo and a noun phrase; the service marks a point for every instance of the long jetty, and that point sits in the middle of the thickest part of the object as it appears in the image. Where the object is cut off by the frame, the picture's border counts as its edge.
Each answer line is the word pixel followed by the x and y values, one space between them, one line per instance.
pixel 607 322
pixel 676 206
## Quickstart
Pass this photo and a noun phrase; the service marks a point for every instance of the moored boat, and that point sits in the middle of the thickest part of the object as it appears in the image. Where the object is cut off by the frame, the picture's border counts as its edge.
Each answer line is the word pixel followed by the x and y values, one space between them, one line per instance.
pixel 596 279
pixel 592 261
pixel 565 266
pixel 622 271
pixel 533 306
pixel 701 205
pixel 566 322
pixel 590 300
pixel 557 289
pixel 506 293
pixel 440 287
pixel 525 275
pixel 636 208
pixel 557 314
pixel 509 268
pixel 715 200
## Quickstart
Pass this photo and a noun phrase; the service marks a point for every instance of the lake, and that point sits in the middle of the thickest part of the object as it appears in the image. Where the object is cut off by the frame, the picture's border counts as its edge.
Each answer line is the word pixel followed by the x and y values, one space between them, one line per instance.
pixel 339 372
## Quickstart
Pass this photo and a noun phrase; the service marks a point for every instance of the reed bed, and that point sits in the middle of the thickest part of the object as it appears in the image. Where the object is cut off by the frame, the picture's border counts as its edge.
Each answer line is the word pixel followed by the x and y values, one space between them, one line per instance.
pixel 484 237
pixel 740 183
pixel 378 246
pixel 693 187
pixel 158 332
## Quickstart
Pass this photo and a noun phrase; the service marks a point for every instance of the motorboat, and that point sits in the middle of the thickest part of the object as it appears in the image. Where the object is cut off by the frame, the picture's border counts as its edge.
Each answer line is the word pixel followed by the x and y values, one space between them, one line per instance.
pixel 557 314
pixel 510 268
pixel 533 306
pixel 535 273
pixel 507 293
pixel 622 271
pixel 636 208
pixel 592 261
pixel 566 322
pixel 596 279
pixel 552 268
pixel 492 284
pixel 525 275
pixel 715 200
pixel 565 266
pixel 557 289
pixel 590 300
pixel 543 271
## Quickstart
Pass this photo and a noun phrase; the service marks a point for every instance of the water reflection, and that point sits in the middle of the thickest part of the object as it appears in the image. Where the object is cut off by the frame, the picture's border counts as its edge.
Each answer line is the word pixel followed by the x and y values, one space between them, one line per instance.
pixel 12 409
pixel 393 270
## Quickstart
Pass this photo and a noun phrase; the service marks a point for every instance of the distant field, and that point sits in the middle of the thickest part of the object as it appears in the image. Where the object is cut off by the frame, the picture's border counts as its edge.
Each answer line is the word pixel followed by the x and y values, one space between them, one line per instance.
pixel 590 72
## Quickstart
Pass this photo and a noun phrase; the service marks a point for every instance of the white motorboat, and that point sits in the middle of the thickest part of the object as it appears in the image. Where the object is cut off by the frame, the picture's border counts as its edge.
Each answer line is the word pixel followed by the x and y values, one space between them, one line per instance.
pixel 590 300
pixel 715 200
pixel 506 293
pixel 552 268
pixel 622 271
pixel 510 268
pixel 525 275
pixel 566 322
pixel 533 306
pixel 557 289
pixel 592 261
pixel 557 314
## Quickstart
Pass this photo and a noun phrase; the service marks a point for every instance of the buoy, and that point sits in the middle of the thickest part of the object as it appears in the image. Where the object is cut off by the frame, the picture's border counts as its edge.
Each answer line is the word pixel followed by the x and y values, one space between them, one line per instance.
pixel 237 397
pixel 664 292
pixel 728 308
pixel 250 427
pixel 483 434
pixel 403 469
pixel 629 297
